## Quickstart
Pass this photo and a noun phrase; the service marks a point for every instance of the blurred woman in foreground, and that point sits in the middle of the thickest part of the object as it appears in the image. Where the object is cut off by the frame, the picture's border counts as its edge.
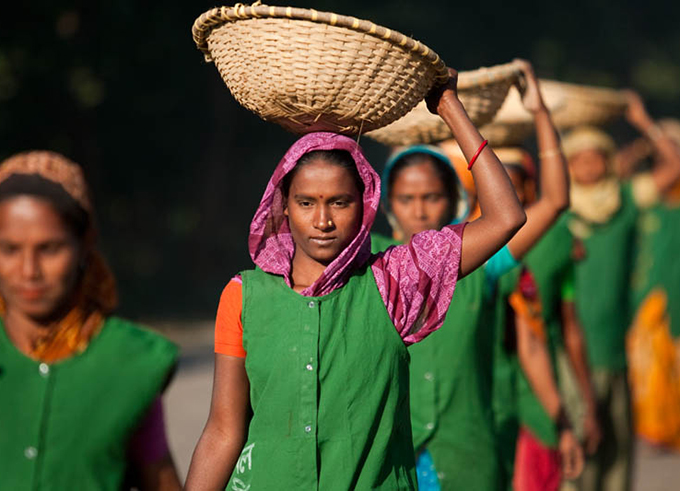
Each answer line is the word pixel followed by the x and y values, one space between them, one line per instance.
pixel 80 405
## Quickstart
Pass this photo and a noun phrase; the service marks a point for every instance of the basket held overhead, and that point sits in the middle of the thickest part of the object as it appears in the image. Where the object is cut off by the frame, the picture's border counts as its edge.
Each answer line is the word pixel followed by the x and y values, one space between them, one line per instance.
pixel 584 105
pixel 316 71
pixel 481 91
pixel 513 123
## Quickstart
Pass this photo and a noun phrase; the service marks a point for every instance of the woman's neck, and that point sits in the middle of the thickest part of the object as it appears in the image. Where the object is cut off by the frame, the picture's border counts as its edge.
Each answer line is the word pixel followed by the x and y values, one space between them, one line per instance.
pixel 305 271
pixel 25 332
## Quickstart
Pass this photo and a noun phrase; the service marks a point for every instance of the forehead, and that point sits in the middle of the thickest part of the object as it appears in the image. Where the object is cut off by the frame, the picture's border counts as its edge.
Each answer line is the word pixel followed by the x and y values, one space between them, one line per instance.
pixel 588 154
pixel 322 176
pixel 418 178
pixel 30 217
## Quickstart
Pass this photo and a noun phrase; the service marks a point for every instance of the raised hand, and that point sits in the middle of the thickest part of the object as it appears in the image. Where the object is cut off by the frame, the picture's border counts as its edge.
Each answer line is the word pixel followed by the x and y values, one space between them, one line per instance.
pixel 437 97
pixel 636 113
pixel 528 88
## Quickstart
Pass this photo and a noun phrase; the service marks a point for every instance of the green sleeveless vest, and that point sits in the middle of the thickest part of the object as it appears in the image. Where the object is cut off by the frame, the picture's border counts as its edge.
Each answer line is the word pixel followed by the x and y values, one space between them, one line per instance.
pixel 328 389
pixel 602 282
pixel 451 374
pixel 67 425
pixel 549 262
pixel 656 264
pixel 505 368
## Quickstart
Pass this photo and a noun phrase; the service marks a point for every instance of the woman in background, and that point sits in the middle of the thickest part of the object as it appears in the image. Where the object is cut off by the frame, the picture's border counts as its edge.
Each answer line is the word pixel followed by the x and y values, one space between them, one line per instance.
pixel 604 213
pixel 80 405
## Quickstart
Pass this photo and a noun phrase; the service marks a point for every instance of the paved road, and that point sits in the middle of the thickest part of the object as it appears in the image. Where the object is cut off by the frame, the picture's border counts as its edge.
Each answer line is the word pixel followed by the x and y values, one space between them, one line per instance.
pixel 188 399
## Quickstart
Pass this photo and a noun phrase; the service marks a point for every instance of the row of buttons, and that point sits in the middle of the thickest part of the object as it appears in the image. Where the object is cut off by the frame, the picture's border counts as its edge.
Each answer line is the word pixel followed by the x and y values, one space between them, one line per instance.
pixel 31 452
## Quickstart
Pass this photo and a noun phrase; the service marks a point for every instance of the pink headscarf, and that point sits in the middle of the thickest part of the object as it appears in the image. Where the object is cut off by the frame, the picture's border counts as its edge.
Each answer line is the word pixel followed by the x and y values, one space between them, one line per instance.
pixel 271 244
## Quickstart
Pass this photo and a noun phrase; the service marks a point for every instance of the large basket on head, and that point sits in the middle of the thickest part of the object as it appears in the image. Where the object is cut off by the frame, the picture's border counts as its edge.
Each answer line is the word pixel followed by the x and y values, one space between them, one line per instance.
pixel 584 105
pixel 513 123
pixel 481 91
pixel 317 71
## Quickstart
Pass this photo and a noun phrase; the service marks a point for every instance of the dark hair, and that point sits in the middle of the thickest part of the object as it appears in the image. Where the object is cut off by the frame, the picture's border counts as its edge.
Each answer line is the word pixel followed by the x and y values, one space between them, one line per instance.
pixel 341 158
pixel 443 169
pixel 70 211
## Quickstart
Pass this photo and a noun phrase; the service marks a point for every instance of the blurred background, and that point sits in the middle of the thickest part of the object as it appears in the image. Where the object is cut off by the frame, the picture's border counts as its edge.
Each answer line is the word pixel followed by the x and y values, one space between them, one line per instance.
pixel 177 167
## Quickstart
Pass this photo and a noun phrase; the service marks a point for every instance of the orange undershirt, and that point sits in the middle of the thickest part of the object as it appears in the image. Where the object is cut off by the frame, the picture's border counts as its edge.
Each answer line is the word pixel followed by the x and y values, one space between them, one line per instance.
pixel 228 327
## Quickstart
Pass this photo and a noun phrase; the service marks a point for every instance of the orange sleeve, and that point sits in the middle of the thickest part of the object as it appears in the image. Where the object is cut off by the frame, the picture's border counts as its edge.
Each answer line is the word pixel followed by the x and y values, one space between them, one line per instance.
pixel 228 326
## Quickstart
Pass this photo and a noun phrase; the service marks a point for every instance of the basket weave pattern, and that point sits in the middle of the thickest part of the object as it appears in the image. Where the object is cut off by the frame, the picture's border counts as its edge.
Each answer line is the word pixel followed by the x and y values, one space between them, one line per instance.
pixel 482 93
pixel 317 71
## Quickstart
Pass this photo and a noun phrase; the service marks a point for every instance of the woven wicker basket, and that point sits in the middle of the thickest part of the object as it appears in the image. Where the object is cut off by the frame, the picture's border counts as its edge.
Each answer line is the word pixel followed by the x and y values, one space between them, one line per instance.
pixel 513 123
pixel 481 91
pixel 583 105
pixel 317 71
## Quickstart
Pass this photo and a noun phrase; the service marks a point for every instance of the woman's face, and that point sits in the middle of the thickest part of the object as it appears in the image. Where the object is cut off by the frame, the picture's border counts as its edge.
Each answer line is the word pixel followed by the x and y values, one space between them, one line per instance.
pixel 324 210
pixel 418 199
pixel 39 258
pixel 588 167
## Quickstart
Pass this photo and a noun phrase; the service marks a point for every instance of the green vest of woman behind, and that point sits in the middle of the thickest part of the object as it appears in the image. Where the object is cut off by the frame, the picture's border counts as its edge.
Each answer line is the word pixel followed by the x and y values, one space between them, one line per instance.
pixel 451 374
pixel 310 359
pixel 505 370
pixel 66 426
pixel 603 285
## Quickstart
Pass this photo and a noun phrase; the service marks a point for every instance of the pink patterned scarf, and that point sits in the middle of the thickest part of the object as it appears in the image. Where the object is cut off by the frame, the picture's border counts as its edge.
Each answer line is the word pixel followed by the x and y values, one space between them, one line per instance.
pixel 271 244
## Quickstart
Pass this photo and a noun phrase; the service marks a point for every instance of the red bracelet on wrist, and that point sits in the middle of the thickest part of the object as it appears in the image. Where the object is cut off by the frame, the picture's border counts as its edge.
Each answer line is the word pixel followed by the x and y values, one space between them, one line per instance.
pixel 479 150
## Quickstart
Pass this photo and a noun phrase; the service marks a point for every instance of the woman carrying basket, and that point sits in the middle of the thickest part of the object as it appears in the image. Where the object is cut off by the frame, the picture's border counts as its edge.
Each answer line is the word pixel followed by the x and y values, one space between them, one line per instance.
pixel 307 340
pixel 604 212
pixel 452 371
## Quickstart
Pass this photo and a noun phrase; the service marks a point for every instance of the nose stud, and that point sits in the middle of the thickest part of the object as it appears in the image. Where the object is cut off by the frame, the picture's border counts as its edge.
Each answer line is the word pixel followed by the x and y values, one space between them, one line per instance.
pixel 330 223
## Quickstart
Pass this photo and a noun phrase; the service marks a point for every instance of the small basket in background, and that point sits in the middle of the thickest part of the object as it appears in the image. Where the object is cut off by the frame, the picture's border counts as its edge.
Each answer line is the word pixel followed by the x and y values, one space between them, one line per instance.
pixel 481 91
pixel 583 104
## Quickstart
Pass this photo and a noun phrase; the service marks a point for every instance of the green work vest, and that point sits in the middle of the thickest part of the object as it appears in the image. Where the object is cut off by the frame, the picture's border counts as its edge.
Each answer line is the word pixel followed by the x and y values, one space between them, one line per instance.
pixel 328 389
pixel 451 375
pixel 505 369
pixel 67 425
pixel 602 283
pixel 656 263
pixel 549 262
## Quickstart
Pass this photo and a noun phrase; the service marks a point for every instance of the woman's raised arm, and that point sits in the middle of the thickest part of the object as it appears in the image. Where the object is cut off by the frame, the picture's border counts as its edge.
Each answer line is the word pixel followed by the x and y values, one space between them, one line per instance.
pixel 554 185
pixel 501 213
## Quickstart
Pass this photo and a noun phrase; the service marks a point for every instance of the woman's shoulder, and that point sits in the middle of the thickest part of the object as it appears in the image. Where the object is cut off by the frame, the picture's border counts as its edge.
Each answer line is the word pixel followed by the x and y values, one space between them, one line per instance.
pixel 134 338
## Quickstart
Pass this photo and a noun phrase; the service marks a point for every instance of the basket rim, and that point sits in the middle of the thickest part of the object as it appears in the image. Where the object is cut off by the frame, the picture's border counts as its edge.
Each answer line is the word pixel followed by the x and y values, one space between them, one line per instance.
pixel 596 94
pixel 483 76
pixel 218 16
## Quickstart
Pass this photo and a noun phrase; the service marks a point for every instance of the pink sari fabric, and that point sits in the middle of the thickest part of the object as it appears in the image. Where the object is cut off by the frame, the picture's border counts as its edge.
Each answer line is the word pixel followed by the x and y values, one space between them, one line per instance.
pixel 271 243
pixel 415 281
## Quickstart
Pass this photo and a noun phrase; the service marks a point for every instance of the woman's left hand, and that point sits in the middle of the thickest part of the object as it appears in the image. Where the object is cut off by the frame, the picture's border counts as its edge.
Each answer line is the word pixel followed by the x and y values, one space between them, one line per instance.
pixel 528 88
pixel 636 113
pixel 439 95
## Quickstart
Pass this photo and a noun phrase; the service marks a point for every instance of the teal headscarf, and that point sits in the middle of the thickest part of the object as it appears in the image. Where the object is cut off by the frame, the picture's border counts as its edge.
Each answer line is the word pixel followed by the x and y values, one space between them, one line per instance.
pixel 462 208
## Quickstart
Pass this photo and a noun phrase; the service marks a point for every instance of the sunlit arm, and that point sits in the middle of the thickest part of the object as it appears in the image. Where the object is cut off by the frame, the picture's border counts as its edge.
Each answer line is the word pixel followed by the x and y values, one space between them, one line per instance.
pixel 554 180
pixel 501 213
pixel 225 432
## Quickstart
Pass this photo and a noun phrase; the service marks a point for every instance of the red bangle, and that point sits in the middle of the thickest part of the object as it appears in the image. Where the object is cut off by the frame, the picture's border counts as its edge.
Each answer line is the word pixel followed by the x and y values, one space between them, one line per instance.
pixel 479 150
